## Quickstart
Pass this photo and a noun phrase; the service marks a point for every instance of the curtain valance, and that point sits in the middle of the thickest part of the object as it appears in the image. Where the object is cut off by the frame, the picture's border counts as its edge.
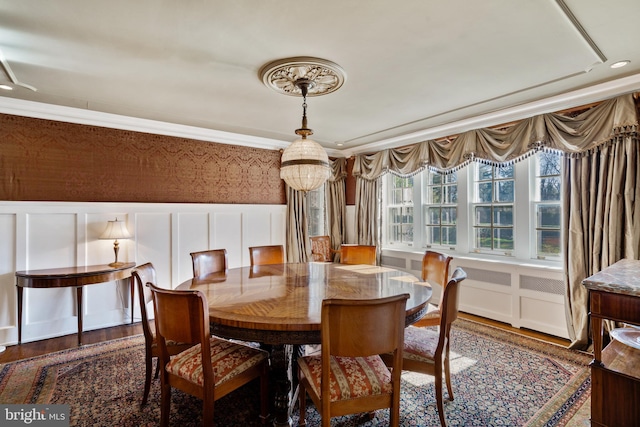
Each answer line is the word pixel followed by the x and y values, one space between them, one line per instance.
pixel 574 136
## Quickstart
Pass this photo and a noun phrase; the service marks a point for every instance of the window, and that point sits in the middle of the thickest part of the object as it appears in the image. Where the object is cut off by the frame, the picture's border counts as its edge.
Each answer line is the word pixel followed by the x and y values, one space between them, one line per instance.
pixel 493 208
pixel 316 212
pixel 547 208
pixel 400 210
pixel 440 208
pixel 507 210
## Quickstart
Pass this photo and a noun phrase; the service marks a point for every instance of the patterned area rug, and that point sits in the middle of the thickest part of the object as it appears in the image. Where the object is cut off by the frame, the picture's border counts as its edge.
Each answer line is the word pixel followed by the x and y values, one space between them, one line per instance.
pixel 499 379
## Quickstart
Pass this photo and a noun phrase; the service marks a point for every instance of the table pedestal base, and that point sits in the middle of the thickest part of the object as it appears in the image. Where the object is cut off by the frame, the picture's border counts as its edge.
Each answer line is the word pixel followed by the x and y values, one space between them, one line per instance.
pixel 283 381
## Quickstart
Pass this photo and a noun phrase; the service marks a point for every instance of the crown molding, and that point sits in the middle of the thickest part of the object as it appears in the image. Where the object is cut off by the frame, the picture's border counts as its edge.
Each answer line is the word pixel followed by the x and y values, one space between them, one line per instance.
pixel 39 110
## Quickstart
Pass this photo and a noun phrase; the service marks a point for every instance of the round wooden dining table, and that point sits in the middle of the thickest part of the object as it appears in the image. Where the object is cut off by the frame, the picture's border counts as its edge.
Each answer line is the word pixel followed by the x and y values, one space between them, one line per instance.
pixel 279 307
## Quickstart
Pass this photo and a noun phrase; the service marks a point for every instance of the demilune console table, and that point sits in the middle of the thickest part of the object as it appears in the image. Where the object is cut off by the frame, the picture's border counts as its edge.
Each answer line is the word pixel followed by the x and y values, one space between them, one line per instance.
pixel 75 277
pixel 615 370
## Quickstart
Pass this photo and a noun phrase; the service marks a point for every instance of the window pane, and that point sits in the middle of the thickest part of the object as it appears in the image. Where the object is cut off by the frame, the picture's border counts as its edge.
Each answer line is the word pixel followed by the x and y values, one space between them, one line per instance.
pixel 435 195
pixel 449 215
pixel 435 178
pixel 433 216
pixel 395 215
pixel 448 236
pixel 485 172
pixel 408 215
pixel 433 235
pixel 483 238
pixel 548 163
pixel 503 215
pixel 549 216
pixel 407 195
pixel 548 242
pixel 485 193
pixel 450 194
pixel 503 238
pixel 407 233
pixel 394 233
pixel 504 191
pixel 550 188
pixel 451 178
pixel 504 172
pixel 483 215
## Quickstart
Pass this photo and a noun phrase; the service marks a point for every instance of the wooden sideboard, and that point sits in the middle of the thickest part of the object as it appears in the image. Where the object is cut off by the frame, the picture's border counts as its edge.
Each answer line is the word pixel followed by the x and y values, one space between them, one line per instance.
pixel 615 370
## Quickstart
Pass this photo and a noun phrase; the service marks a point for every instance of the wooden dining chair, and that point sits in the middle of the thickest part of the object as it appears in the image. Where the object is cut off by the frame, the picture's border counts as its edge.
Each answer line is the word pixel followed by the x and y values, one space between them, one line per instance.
pixel 210 261
pixel 435 269
pixel 143 274
pixel 212 367
pixel 264 255
pixel 321 249
pixel 358 254
pixel 427 351
pixel 349 376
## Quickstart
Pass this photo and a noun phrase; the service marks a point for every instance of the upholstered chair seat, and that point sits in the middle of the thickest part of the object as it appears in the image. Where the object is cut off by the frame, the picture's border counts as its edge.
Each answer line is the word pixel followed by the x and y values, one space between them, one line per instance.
pixel 420 344
pixel 350 377
pixel 228 359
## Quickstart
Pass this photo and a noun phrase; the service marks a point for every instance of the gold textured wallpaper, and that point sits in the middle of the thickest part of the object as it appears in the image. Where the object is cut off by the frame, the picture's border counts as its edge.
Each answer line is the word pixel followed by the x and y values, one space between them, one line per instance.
pixel 57 161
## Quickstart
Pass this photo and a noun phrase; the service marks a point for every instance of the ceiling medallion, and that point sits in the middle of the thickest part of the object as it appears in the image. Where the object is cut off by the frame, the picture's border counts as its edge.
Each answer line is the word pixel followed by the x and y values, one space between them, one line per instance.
pixel 323 76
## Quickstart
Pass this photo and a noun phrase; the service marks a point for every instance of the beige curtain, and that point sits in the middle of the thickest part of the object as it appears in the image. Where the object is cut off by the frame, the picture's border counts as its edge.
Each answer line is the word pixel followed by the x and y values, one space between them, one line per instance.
pixel 600 147
pixel 367 211
pixel 298 243
pixel 336 203
pixel 603 187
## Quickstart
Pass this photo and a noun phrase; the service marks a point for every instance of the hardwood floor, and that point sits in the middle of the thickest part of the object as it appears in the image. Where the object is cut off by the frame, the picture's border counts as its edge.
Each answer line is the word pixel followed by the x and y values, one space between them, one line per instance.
pixel 37 348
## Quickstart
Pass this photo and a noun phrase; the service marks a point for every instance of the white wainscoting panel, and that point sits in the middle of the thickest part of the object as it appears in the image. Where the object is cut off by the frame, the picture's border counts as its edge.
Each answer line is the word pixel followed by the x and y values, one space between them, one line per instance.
pixel 193 236
pixel 227 232
pixel 7 271
pixel 37 235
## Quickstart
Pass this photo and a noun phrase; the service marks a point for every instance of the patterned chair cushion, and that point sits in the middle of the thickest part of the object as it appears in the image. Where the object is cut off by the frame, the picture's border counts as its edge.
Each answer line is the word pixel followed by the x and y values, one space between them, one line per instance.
pixel 350 378
pixel 420 344
pixel 228 360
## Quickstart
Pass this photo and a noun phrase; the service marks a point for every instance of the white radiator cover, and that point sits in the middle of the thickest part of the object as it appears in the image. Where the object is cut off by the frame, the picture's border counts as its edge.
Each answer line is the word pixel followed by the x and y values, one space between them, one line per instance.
pixel 523 296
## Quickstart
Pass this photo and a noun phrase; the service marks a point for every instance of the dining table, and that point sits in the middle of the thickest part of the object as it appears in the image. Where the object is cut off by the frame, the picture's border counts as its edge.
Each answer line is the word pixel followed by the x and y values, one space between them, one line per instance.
pixel 278 307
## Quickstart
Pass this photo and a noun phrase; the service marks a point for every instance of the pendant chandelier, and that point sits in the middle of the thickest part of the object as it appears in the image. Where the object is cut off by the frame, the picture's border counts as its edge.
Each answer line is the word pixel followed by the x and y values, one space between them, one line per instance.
pixel 304 165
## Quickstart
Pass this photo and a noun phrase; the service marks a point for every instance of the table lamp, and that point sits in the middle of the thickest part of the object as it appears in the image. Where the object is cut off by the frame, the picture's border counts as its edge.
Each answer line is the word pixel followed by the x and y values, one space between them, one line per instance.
pixel 116 230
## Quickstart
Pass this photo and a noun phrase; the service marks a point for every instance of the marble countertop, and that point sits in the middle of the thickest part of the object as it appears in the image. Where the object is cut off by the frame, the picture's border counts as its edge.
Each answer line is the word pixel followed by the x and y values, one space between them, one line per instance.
pixel 623 277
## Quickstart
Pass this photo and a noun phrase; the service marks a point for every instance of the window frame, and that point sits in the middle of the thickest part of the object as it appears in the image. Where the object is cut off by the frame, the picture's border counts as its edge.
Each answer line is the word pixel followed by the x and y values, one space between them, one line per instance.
pixel 523 217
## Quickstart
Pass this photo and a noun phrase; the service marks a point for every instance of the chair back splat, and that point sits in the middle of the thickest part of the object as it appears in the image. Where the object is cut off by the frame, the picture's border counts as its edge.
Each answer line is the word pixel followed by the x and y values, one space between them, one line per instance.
pixel 354 334
pixel 212 367
pixel 321 249
pixel 208 262
pixel 435 270
pixel 265 255
pixel 358 254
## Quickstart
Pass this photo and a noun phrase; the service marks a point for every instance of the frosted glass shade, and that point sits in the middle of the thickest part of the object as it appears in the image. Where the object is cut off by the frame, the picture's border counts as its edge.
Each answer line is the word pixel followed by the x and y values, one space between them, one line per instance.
pixel 304 165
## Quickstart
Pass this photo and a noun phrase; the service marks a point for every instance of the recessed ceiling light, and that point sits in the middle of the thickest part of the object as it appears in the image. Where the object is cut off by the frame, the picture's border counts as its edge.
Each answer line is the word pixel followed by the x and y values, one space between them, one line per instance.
pixel 339 143
pixel 619 64
pixel 6 87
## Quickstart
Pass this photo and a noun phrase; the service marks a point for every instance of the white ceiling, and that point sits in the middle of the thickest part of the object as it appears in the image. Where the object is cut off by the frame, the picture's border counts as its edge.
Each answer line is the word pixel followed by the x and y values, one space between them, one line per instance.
pixel 416 69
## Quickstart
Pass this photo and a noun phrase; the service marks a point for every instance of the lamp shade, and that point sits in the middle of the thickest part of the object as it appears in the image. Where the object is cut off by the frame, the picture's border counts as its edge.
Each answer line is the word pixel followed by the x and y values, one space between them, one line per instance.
pixel 116 230
pixel 304 165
